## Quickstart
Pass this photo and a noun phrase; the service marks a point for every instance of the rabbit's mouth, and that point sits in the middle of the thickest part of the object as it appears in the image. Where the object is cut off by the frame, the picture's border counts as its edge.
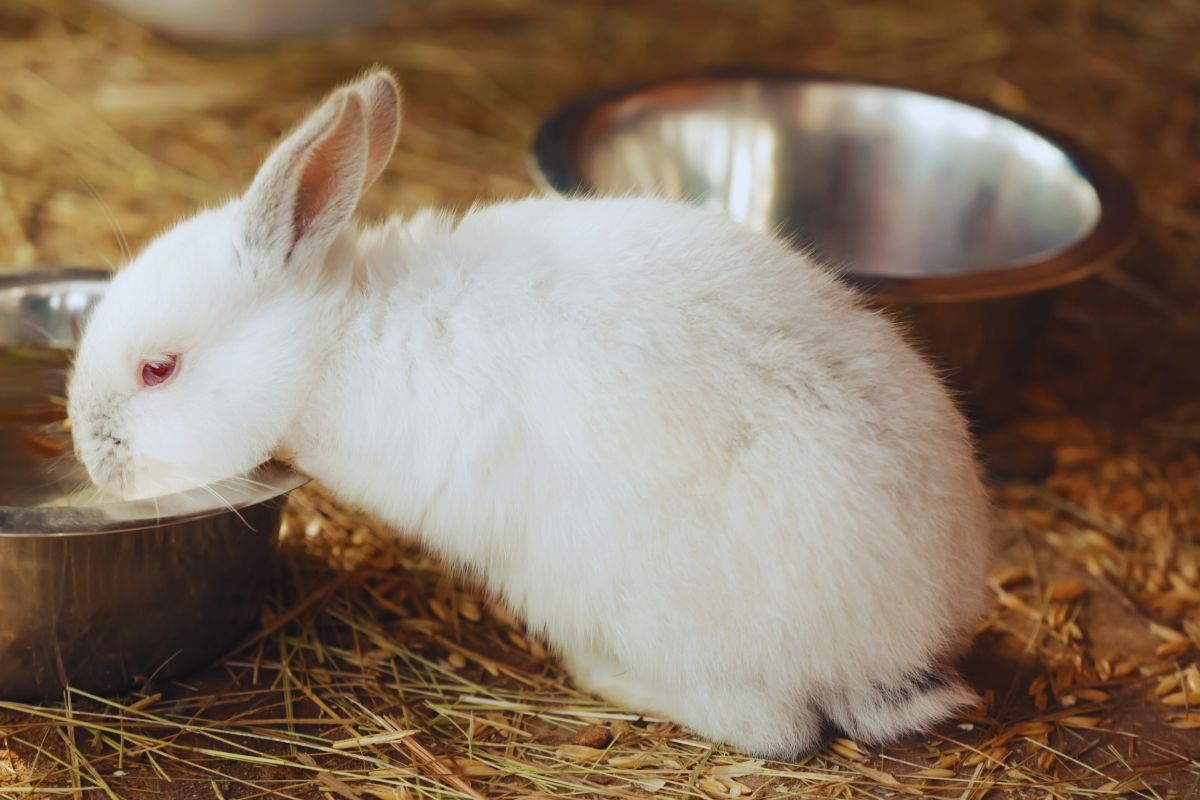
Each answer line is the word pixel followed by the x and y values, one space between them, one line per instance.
pixel 104 456
pixel 116 469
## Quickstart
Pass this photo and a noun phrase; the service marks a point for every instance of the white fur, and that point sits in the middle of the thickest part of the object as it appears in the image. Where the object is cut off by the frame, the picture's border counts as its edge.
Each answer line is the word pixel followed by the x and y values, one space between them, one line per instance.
pixel 724 491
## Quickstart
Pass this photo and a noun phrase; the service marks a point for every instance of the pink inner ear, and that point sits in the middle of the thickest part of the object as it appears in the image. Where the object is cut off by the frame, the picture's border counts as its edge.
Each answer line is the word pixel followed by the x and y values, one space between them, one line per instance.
pixel 331 164
pixel 318 184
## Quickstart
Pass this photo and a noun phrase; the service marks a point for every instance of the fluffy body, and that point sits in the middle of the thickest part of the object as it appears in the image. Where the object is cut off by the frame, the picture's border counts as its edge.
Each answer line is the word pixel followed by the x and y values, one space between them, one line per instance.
pixel 723 490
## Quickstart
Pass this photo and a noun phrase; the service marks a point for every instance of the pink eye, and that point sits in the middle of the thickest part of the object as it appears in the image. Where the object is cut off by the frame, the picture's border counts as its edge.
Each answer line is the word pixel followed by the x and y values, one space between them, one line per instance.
pixel 159 371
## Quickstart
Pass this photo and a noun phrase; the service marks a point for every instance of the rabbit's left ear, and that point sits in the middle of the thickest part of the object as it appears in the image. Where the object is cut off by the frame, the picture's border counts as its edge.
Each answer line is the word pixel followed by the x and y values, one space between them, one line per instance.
pixel 381 104
pixel 309 186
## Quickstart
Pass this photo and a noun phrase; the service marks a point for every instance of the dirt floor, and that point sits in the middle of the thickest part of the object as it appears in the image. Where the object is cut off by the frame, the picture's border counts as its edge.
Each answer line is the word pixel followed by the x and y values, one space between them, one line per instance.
pixel 375 674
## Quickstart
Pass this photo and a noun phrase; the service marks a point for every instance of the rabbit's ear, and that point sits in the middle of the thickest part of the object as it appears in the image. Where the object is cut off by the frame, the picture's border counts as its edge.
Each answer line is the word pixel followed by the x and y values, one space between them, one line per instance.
pixel 381 101
pixel 308 188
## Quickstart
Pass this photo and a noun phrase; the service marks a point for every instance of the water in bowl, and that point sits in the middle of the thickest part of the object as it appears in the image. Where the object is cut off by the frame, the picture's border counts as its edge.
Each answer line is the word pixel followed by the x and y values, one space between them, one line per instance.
pixel 37 464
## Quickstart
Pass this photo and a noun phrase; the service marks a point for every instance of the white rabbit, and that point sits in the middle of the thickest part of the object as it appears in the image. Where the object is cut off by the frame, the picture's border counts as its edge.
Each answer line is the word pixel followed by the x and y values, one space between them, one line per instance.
pixel 724 492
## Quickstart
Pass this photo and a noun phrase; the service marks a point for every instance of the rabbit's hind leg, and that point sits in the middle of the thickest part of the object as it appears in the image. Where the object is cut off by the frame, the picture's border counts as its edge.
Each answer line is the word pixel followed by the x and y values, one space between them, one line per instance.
pixel 754 720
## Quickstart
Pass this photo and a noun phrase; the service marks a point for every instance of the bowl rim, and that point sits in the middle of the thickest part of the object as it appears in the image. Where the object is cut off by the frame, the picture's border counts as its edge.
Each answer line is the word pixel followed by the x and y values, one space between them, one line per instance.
pixel 553 162
pixel 271 481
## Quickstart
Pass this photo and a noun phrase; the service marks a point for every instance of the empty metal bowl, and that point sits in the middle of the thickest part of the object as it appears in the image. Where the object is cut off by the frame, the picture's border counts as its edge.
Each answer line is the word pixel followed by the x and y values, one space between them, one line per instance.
pixel 952 215
pixel 100 596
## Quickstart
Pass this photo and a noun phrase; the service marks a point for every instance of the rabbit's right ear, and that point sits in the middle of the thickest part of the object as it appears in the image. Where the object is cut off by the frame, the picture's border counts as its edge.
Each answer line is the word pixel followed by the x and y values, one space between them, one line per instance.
pixel 381 101
pixel 309 186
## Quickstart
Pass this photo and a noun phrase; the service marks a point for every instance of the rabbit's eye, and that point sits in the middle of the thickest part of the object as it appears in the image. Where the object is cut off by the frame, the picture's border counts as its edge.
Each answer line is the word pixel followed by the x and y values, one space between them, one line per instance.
pixel 159 371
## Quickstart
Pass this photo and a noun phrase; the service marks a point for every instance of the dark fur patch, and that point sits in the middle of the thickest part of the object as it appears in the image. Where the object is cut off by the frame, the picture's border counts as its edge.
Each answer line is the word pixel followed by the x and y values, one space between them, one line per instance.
pixel 925 680
pixel 829 728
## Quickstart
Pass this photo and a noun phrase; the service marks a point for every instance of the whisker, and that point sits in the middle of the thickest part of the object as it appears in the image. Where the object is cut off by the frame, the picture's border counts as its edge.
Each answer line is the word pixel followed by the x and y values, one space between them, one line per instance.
pixel 243 480
pixel 228 505
pixel 292 497
pixel 97 494
pixel 219 497
pixel 56 463
pixel 122 242
pixel 88 495
pixel 40 330
pixel 53 470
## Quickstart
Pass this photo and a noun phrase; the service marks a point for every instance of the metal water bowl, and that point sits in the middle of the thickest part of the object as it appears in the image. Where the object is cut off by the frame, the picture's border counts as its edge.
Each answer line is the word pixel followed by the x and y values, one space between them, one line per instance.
pixel 102 595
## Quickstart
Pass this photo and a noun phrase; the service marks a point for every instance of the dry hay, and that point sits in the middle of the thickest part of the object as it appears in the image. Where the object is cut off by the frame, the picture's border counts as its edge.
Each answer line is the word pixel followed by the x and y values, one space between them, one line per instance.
pixel 374 674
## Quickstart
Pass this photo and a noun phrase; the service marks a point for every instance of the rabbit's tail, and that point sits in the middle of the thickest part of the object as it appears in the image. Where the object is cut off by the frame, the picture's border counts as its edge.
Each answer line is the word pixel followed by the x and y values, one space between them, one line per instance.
pixel 919 700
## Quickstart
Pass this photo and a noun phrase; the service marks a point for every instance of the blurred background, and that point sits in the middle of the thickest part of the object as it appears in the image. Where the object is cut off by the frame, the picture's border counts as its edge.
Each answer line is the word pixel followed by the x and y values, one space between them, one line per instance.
pixel 111 128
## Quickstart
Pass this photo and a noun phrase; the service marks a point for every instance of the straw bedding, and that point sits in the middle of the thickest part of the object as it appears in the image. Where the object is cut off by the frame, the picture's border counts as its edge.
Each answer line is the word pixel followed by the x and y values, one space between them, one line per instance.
pixel 376 674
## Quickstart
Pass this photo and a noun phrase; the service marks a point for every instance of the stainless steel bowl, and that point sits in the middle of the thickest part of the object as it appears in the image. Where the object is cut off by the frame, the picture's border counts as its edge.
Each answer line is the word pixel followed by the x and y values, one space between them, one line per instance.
pixel 953 215
pixel 101 596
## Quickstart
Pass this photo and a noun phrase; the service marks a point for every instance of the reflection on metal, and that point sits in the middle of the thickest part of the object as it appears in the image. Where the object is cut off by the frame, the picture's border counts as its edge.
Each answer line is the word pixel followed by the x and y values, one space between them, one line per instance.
pixel 894 186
